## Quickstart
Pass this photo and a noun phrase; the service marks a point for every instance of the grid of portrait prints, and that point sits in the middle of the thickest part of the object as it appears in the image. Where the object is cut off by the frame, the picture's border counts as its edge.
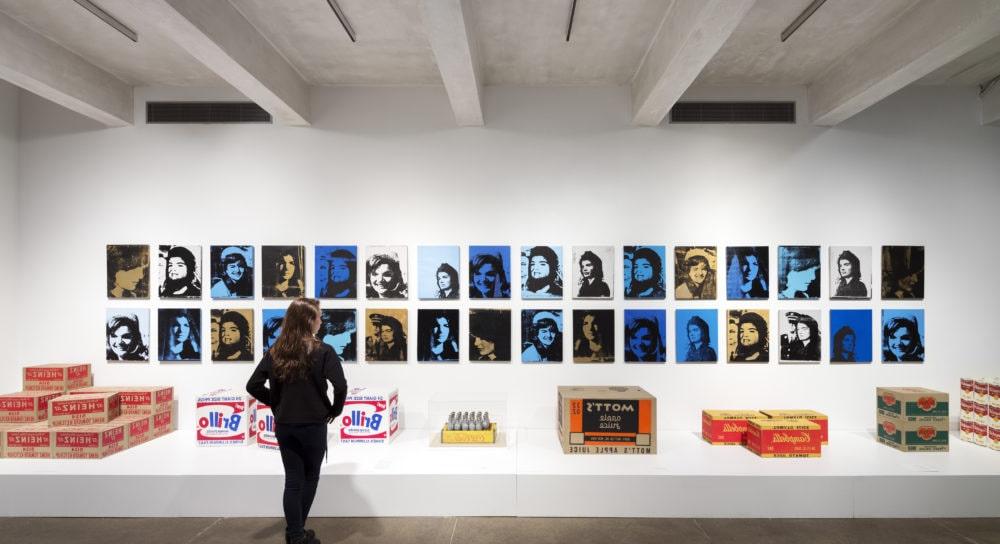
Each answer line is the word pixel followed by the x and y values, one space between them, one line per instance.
pixel 801 333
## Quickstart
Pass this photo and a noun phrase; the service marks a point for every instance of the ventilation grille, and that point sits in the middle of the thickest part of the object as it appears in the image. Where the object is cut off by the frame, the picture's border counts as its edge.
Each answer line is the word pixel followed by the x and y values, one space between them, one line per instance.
pixel 205 112
pixel 733 112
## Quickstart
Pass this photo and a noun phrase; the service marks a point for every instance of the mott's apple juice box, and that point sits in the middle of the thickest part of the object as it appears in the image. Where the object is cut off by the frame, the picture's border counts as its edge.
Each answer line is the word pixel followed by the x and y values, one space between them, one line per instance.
pixel 266 438
pixel 811 415
pixel 371 416
pixel 26 406
pixel 91 409
pixel 727 427
pixel 912 403
pixel 32 441
pixel 913 435
pixel 57 377
pixel 89 441
pixel 225 418
pixel 607 420
pixel 137 400
pixel 784 437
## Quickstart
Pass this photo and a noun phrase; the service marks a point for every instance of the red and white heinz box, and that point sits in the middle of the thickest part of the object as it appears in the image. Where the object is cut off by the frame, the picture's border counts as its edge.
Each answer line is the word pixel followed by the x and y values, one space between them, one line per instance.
pixel 33 441
pixel 226 418
pixel 137 400
pixel 164 422
pixel 4 427
pixel 90 409
pixel 266 438
pixel 57 377
pixel 371 416
pixel 88 441
pixel 26 406
pixel 138 429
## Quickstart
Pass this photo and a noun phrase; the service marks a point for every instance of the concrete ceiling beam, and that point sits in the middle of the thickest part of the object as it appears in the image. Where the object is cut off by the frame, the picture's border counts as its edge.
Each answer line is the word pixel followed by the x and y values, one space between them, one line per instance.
pixel 37 64
pixel 449 29
pixel 218 35
pixel 990 103
pixel 926 37
pixel 691 34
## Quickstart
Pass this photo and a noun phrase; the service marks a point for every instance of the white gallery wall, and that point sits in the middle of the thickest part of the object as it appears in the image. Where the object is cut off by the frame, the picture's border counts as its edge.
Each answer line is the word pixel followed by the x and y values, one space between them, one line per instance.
pixel 557 166
pixel 9 274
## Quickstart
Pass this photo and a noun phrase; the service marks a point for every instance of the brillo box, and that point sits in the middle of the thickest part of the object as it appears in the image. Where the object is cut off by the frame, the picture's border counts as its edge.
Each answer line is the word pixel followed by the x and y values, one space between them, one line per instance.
pixel 371 416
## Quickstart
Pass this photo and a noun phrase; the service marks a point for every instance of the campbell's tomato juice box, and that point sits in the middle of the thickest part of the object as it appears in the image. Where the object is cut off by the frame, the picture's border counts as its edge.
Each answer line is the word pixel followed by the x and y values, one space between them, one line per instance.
pixel 88 441
pixel 912 403
pixel 784 437
pixel 26 406
pixel 90 409
pixel 32 441
pixel 727 427
pixel 912 436
pixel 371 416
pixel 137 400
pixel 266 438
pixel 599 419
pixel 811 415
pixel 225 418
pixel 57 377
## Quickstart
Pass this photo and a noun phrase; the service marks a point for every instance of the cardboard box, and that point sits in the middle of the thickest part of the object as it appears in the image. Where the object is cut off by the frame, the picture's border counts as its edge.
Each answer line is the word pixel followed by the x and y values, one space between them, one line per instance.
pixel 967 430
pixel 371 416
pixel 811 415
pixel 910 436
pixel 607 420
pixel 26 406
pixel 226 418
pixel 57 377
pixel 138 429
pixel 90 409
pixel 967 409
pixel 981 433
pixel 88 441
pixel 994 437
pixel 32 441
pixel 165 423
pixel 4 427
pixel 967 386
pixel 266 438
pixel 138 400
pixel 994 390
pixel 912 403
pixel 784 437
pixel 981 412
pixel 488 436
pixel 727 427
pixel 981 390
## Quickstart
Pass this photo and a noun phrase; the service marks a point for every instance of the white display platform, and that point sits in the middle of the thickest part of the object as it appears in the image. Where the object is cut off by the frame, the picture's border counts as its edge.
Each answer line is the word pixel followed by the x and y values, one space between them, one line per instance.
pixel 856 477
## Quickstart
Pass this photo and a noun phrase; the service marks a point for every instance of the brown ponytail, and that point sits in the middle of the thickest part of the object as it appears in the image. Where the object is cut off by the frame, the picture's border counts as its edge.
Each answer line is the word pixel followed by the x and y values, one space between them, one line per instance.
pixel 292 349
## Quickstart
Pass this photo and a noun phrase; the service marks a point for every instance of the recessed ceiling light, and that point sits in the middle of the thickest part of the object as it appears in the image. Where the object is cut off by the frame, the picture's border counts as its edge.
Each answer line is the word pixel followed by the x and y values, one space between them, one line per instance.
pixel 805 15
pixel 572 14
pixel 343 19
pixel 109 19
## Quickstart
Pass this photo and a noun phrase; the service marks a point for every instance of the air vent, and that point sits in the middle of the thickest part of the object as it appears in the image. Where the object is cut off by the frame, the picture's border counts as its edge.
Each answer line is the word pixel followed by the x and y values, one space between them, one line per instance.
pixel 205 112
pixel 733 112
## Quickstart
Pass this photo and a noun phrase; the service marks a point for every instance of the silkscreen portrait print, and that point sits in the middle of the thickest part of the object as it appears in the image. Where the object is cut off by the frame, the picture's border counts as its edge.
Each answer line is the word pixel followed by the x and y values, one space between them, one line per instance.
pixel 179 272
pixel 437 270
pixel 283 273
pixel 695 272
pixel 594 268
pixel 645 277
pixel 645 336
pixel 748 336
pixel 798 272
pixel 697 333
pixel 271 321
pixel 747 273
pixel 850 272
pixel 437 340
pixel 339 331
pixel 232 272
pixel 903 339
pixel 903 272
pixel 336 272
pixel 179 334
pixel 852 336
pixel 594 336
pixel 800 336
pixel 232 335
pixel 544 276
pixel 385 335
pixel 541 336
pixel 128 271
pixel 127 334
pixel 489 272
pixel 386 273
pixel 489 335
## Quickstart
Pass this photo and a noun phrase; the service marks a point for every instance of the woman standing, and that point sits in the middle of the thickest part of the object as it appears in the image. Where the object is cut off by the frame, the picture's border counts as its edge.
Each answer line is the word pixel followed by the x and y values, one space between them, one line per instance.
pixel 297 369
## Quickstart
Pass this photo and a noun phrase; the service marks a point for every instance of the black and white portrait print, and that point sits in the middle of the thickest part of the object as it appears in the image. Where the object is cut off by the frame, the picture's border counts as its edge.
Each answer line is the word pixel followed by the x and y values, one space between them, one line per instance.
pixel 594 268
pixel 232 272
pixel 694 273
pixel 850 272
pixel 128 271
pixel 593 336
pixel 798 272
pixel 180 334
pixel 284 271
pixel 180 272
pixel 127 334
pixel 903 272
pixel 438 330
pixel 386 273
pixel 489 335
pixel 800 336
pixel 235 342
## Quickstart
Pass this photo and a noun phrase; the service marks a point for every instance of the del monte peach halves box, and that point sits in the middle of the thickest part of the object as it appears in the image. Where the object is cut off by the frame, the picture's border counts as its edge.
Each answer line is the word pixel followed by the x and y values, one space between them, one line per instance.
pixel 912 418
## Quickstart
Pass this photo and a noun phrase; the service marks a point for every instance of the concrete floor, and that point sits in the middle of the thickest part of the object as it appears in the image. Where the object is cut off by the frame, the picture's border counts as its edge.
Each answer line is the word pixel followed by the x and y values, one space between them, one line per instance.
pixel 504 530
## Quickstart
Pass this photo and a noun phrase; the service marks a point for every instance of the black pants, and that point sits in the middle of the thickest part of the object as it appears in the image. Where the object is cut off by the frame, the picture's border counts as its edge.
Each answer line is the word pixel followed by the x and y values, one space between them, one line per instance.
pixel 302 448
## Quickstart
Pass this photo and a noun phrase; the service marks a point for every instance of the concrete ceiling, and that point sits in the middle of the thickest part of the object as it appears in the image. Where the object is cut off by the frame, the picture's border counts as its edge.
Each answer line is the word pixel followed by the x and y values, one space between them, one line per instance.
pixel 974 68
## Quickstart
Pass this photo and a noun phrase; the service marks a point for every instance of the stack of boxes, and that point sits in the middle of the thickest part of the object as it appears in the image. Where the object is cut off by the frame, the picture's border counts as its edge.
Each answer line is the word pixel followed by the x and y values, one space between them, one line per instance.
pixel 912 418
pixel 979 422
pixel 768 433
pixel 60 415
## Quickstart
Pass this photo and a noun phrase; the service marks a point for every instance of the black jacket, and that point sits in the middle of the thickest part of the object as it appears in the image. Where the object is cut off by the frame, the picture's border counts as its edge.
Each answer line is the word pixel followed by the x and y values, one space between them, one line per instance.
pixel 303 400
